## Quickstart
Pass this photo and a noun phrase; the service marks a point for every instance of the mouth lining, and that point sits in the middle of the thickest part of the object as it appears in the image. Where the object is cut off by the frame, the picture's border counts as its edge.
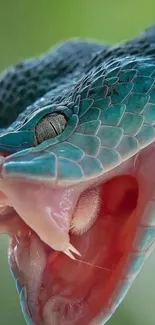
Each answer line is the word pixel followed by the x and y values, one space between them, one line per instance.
pixel 63 282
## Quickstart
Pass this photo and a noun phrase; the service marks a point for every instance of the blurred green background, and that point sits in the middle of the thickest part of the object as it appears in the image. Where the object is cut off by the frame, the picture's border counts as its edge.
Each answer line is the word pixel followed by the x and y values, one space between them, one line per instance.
pixel 29 27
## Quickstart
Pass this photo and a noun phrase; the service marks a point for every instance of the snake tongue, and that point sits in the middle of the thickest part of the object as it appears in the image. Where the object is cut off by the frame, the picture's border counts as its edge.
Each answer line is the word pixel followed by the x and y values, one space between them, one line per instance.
pixel 47 210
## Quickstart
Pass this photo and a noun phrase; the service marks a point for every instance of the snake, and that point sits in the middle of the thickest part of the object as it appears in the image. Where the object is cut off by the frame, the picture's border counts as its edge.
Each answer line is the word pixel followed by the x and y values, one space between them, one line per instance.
pixel 77 184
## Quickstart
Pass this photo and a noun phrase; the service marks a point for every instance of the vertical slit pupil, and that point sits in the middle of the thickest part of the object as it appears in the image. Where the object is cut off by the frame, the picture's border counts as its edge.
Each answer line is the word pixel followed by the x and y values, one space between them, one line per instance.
pixel 50 126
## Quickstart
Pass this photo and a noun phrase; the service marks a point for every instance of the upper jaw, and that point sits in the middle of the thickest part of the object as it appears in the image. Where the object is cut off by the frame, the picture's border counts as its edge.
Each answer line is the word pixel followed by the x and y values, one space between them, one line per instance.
pixel 45 208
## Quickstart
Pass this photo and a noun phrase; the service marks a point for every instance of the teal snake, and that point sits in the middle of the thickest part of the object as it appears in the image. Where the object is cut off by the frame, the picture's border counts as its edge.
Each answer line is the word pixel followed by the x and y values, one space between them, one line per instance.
pixel 77 184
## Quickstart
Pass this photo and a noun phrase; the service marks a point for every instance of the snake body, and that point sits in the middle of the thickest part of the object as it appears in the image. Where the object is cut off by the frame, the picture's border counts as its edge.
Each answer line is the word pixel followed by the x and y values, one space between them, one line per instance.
pixel 105 96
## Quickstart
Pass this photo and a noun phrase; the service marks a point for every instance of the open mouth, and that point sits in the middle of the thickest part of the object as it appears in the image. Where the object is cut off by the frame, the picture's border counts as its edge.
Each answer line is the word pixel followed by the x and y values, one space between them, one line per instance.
pixel 102 225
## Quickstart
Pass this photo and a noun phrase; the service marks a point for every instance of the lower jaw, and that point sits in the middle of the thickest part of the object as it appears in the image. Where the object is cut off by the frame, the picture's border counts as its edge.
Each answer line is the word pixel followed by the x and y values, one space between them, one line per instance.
pixel 62 291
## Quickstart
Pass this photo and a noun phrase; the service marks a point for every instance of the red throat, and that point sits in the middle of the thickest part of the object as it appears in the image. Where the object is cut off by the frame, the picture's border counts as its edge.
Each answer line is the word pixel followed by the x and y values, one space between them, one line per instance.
pixel 79 290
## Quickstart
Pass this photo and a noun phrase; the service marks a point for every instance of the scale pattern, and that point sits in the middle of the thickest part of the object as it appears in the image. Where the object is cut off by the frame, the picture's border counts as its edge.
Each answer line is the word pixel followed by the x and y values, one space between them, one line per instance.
pixel 111 115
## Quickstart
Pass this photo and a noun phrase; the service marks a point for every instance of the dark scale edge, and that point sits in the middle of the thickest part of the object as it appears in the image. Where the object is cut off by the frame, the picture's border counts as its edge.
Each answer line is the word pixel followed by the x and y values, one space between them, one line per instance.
pixel 26 82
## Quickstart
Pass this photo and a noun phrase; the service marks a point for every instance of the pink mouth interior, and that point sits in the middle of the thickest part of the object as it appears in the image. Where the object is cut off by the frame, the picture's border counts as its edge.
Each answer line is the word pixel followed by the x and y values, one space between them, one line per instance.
pixel 63 291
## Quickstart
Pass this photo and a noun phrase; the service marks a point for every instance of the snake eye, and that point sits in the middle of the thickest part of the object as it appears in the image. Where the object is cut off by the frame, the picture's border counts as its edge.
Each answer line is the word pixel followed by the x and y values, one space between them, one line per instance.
pixel 50 126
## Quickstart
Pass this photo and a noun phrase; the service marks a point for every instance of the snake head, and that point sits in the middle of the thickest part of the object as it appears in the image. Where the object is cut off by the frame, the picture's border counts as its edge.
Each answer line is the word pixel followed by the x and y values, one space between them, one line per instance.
pixel 77 193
